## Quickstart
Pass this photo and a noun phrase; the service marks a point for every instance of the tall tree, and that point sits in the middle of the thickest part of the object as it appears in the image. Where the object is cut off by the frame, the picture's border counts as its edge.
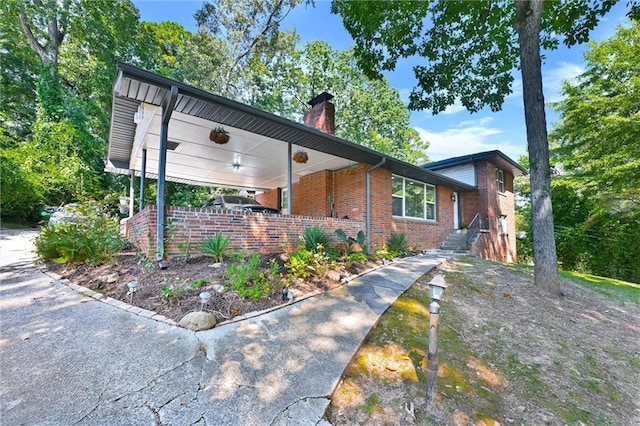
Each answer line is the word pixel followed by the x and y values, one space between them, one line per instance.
pixel 596 148
pixel 69 49
pixel 248 27
pixel 470 50
pixel 596 139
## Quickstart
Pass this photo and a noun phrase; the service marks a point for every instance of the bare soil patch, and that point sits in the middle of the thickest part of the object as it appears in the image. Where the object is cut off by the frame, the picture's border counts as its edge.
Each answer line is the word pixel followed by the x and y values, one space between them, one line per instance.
pixel 508 355
pixel 174 291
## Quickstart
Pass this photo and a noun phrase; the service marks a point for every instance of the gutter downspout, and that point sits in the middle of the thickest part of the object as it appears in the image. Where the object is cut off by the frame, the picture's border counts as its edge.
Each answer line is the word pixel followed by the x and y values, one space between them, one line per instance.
pixel 167 109
pixel 384 160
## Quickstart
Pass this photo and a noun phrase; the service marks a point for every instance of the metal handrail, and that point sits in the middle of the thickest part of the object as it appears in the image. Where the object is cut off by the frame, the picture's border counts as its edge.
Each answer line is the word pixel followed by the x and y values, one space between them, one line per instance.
pixel 474 228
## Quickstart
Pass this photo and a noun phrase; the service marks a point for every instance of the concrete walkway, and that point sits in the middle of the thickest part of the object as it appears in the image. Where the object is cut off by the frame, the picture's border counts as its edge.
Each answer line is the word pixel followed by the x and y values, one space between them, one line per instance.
pixel 67 359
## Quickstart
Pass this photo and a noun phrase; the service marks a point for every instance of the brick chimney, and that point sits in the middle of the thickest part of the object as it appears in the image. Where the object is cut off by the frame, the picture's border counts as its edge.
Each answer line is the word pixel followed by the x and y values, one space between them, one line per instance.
pixel 322 114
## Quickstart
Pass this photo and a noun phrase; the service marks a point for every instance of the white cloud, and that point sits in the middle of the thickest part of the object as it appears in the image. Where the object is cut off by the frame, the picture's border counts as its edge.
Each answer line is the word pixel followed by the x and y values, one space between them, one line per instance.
pixel 467 140
pixel 552 79
pixel 479 122
pixel 455 108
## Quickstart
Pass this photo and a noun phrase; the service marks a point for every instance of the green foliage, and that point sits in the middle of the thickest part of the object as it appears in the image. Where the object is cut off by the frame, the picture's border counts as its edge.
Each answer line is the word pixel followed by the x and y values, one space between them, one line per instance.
pixel 92 240
pixel 18 198
pixel 199 283
pixel 216 246
pixel 479 36
pixel 248 279
pixel 397 244
pixel 350 243
pixel 172 294
pixel 303 263
pixel 384 253
pixel 316 239
pixel 596 140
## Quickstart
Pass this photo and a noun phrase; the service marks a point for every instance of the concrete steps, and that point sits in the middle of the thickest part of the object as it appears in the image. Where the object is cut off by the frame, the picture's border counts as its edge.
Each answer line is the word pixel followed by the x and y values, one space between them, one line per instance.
pixel 456 242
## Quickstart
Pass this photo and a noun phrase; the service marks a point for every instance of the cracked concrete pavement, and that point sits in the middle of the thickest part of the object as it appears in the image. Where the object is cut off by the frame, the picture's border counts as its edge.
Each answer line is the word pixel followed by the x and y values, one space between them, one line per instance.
pixel 67 359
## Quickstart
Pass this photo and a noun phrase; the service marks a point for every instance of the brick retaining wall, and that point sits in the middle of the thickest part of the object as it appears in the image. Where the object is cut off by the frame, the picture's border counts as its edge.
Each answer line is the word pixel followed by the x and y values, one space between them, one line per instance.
pixel 188 227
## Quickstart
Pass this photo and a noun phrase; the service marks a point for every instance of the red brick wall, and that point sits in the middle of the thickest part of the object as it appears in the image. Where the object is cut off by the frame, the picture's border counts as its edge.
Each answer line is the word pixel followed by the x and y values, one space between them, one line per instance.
pixel 250 232
pixel 422 234
pixel 269 198
pixel 488 201
pixel 141 230
pixel 310 194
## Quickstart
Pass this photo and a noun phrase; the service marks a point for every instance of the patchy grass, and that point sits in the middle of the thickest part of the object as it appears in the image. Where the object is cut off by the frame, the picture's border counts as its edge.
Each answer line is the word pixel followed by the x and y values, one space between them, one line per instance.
pixel 619 290
pixel 507 354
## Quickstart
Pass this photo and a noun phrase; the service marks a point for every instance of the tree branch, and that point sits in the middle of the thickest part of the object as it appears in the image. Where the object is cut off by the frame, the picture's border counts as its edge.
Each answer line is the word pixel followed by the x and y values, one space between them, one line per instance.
pixel 26 29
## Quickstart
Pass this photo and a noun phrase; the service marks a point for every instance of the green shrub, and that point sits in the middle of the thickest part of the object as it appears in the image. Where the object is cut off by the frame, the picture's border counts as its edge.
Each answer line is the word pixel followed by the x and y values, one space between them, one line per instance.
pixel 316 239
pixel 247 279
pixel 397 244
pixel 216 246
pixel 94 239
pixel 303 263
pixel 384 253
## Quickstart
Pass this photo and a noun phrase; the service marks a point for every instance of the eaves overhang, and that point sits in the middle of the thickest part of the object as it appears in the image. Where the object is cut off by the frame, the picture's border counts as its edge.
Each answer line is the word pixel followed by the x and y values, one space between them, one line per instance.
pixel 262 139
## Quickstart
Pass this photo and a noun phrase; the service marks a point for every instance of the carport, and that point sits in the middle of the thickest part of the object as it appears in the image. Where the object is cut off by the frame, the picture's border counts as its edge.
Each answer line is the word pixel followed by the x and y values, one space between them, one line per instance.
pixel 160 130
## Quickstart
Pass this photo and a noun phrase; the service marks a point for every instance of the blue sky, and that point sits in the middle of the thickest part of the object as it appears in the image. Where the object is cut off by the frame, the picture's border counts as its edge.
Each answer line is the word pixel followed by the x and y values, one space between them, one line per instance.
pixel 453 132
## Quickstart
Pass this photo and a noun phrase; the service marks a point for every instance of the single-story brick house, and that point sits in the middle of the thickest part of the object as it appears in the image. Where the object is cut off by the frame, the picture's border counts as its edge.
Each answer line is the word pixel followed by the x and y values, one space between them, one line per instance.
pixel 160 130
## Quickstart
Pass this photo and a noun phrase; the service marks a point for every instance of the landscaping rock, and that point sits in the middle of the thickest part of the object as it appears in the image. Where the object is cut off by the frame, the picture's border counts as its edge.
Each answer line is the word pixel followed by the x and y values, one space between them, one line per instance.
pixel 216 265
pixel 197 321
pixel 109 278
pixel 218 288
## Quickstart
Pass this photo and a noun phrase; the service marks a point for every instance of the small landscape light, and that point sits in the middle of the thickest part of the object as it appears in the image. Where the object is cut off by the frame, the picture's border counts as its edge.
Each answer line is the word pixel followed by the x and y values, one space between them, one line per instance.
pixel 205 296
pixel 133 287
pixel 437 287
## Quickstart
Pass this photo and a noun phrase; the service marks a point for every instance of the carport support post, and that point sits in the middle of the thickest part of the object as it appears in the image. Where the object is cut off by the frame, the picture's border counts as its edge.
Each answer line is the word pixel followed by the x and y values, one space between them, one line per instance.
pixel 289 178
pixel 142 175
pixel 432 357
pixel 167 109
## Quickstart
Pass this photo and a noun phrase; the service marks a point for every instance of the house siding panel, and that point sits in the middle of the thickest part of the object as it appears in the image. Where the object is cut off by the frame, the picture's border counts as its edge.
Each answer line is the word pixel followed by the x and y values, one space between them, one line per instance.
pixel 465 173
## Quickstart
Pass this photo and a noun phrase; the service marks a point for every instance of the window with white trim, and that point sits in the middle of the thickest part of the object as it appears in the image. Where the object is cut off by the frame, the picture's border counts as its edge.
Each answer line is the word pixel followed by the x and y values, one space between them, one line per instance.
pixel 413 199
pixel 500 180
pixel 284 200
pixel 503 227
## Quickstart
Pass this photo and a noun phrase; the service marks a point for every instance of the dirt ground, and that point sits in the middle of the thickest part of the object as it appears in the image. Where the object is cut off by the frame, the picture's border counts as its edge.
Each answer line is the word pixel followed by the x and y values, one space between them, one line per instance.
pixel 508 355
pixel 174 291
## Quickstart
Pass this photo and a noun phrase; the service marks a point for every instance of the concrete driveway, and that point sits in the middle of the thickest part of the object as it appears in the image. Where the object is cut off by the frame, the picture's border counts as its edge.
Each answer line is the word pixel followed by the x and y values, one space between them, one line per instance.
pixel 68 359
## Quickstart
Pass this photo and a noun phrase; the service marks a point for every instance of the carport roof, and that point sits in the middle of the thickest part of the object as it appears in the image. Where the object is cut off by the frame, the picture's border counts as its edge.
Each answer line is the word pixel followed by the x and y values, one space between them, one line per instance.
pixel 259 140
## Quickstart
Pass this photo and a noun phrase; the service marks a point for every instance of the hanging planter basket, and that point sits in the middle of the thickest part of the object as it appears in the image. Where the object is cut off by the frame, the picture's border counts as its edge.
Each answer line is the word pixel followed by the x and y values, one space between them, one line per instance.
pixel 300 157
pixel 219 135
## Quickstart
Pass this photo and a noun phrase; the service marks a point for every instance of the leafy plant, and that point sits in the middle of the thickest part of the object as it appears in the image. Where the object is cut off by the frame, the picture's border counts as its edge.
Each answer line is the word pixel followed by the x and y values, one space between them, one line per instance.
pixel 199 283
pixel 247 279
pixel 316 239
pixel 397 243
pixel 303 263
pixel 384 253
pixel 351 244
pixel 93 239
pixel 172 294
pixel 216 246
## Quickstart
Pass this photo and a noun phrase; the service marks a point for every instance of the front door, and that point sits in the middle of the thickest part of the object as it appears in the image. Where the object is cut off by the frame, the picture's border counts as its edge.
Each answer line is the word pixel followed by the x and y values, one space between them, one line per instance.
pixel 456 211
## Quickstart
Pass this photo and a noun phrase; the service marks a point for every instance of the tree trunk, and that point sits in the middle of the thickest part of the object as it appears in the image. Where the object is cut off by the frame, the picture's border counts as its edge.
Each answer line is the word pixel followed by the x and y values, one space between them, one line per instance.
pixel 528 23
